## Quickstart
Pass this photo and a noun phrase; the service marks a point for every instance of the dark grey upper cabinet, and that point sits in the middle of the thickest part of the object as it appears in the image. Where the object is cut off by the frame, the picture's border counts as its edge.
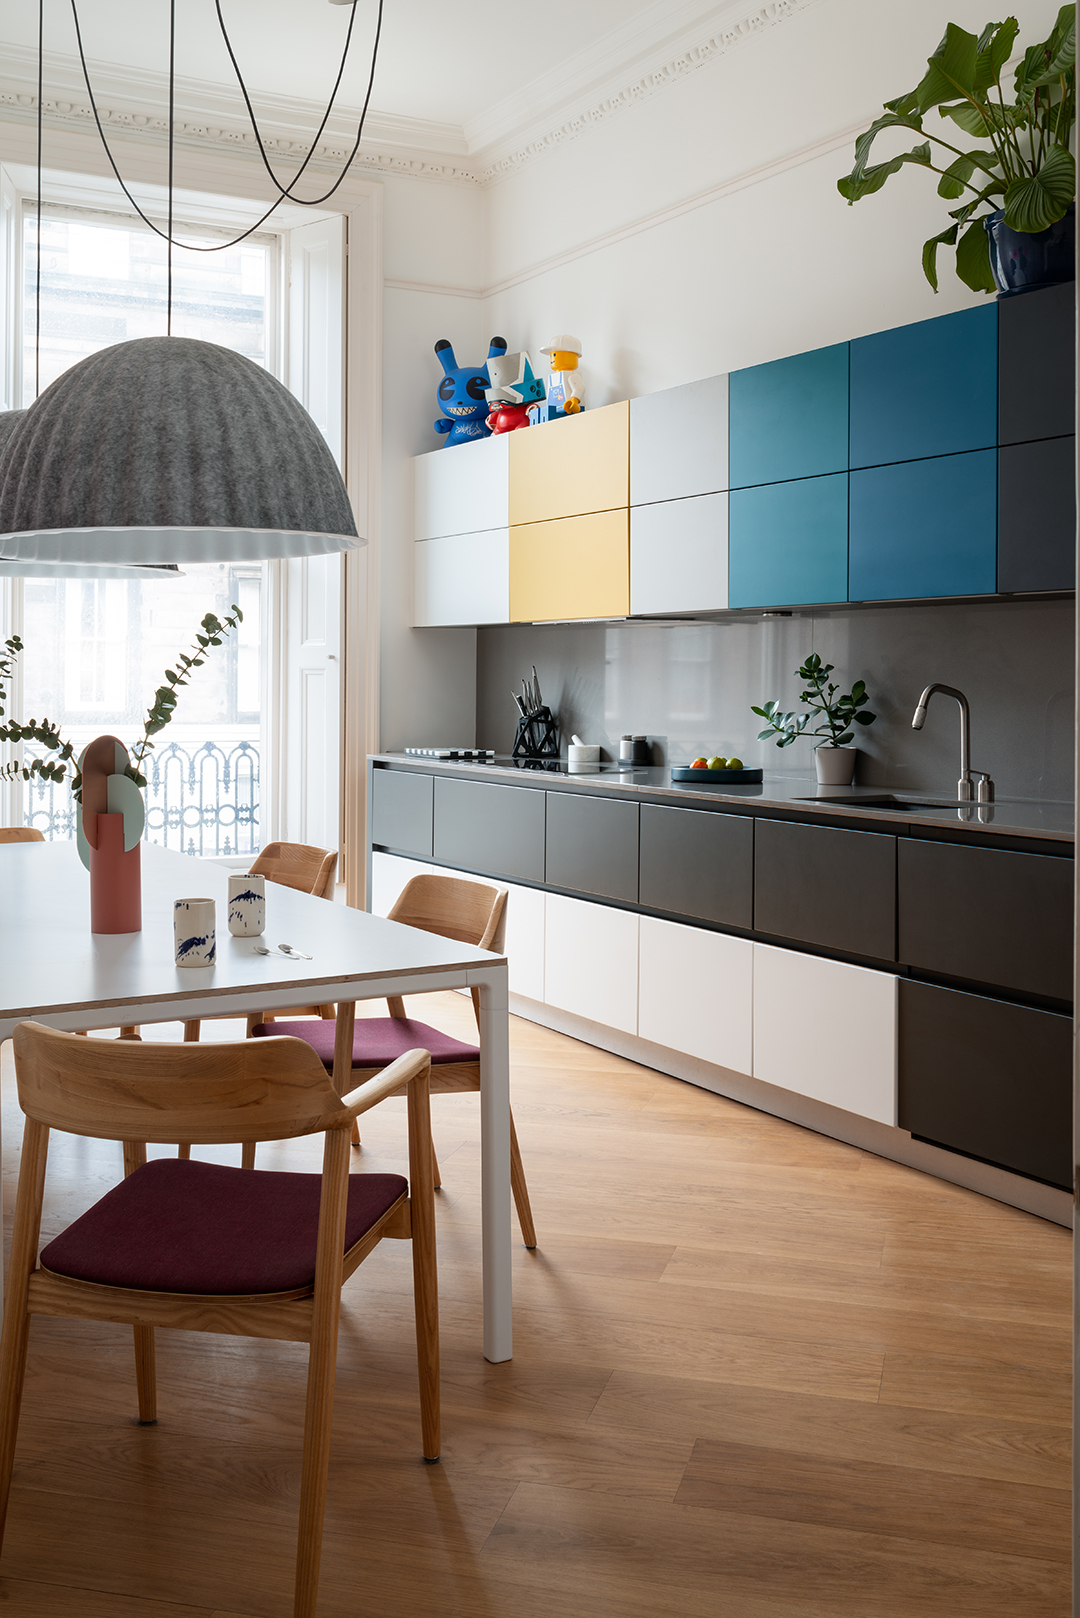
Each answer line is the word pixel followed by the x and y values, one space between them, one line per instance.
pixel 697 864
pixel 1037 365
pixel 493 829
pixel 987 1078
pixel 401 811
pixel 1037 515
pixel 592 845
pixel 987 915
pixel 828 887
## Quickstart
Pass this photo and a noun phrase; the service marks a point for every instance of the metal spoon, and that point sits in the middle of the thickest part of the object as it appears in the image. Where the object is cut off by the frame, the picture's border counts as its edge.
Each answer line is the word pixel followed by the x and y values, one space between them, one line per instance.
pixel 261 949
pixel 287 949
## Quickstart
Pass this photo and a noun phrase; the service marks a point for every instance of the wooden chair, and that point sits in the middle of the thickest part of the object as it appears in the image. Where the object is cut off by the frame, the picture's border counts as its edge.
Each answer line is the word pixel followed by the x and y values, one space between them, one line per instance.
pixel 21 834
pixel 472 913
pixel 207 1248
pixel 309 870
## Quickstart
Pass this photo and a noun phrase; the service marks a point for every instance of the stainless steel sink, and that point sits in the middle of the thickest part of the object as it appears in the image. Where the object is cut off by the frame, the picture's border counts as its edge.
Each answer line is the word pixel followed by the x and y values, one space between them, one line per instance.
pixel 859 800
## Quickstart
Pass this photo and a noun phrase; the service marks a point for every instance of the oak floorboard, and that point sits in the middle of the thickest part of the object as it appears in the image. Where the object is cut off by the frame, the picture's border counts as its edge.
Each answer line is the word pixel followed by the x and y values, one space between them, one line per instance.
pixel 895 1501
pixel 758 1374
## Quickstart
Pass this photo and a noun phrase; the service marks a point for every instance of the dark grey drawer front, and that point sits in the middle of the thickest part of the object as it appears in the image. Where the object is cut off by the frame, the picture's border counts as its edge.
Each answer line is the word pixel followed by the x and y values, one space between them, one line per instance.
pixel 987 1078
pixel 697 864
pixel 499 830
pixel 828 887
pixel 401 811
pixel 592 845
pixel 987 915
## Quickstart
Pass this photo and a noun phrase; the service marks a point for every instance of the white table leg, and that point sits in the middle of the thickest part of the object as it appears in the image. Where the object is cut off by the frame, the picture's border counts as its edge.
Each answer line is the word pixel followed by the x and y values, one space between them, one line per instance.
pixel 495 1160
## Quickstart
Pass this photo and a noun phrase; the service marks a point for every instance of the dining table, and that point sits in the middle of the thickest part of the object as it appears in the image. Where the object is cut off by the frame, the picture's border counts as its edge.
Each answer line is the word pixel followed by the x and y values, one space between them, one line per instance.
pixel 54 970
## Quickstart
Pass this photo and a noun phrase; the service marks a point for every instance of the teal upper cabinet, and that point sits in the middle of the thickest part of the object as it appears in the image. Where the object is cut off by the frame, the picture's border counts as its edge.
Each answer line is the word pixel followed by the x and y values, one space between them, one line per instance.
pixel 788 543
pixel 789 419
pixel 925 528
pixel 926 389
pixel 679 442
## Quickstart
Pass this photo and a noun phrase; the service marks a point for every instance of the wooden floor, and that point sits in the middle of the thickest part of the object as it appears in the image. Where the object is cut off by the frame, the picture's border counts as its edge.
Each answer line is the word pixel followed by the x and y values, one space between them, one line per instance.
pixel 757 1373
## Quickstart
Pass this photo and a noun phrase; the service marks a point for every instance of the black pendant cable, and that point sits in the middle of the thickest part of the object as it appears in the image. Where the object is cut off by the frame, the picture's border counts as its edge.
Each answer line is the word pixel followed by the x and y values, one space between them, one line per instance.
pixel 309 202
pixel 37 268
pixel 172 148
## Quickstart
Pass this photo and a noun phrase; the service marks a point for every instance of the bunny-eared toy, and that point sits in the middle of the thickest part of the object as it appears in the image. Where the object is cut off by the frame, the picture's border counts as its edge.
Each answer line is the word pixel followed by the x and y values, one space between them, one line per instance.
pixel 463 394
pixel 514 388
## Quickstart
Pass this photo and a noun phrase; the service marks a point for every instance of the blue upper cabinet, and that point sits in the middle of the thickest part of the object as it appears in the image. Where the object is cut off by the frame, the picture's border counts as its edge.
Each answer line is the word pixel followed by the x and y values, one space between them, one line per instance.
pixel 926 389
pixel 788 543
pixel 789 419
pixel 924 528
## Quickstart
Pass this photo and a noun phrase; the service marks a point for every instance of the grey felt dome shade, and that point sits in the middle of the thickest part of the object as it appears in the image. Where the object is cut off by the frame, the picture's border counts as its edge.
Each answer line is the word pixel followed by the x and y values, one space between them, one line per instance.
pixel 167 449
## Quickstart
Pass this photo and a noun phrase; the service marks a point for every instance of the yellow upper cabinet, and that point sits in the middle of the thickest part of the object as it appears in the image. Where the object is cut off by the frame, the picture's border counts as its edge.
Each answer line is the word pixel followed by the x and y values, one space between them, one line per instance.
pixel 572 567
pixel 571 467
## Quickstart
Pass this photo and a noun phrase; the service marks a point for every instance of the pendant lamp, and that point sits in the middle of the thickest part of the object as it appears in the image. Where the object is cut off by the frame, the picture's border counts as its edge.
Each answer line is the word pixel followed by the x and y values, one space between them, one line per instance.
pixel 168 449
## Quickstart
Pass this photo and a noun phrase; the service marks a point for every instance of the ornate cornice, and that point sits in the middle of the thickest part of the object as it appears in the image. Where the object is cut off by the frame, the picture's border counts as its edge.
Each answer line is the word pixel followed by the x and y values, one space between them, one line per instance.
pixel 688 60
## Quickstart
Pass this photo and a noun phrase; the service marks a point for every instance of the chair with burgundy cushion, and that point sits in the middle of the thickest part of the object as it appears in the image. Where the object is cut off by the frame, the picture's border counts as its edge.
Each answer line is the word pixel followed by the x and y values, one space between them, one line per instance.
pixel 209 1248
pixel 471 913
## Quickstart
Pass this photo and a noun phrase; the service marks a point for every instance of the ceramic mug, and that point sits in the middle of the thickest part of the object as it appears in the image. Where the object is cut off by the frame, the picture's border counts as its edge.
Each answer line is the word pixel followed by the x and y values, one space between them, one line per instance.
pixel 247 906
pixel 194 933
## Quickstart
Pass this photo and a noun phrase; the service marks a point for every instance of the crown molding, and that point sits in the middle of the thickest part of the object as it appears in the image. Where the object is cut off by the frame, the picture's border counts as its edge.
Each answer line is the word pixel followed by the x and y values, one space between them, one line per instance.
pixel 731 26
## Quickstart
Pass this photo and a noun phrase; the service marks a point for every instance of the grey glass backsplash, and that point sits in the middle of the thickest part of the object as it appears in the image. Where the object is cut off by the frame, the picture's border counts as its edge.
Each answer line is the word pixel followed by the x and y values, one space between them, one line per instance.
pixel 689 687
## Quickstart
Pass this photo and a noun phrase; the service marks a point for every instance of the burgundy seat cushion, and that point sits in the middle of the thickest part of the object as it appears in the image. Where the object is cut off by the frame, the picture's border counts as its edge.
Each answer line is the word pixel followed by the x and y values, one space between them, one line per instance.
pixel 183 1226
pixel 377 1041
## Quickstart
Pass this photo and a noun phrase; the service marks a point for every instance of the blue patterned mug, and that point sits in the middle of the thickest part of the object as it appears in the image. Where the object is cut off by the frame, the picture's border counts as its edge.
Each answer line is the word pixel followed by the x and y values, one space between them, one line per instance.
pixel 247 906
pixel 194 932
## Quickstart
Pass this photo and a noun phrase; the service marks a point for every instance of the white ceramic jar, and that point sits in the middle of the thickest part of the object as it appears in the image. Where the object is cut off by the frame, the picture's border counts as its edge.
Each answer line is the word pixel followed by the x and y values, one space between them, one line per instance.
pixel 194 932
pixel 247 906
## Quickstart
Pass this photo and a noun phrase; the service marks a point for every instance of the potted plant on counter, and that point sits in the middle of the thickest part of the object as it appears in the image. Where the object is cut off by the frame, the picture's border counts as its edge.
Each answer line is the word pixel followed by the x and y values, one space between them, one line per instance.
pixel 836 715
pixel 1014 228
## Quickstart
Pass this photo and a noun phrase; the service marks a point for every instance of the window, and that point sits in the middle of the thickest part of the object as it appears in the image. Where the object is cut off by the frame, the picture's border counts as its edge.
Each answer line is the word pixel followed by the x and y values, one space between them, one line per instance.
pixel 96 650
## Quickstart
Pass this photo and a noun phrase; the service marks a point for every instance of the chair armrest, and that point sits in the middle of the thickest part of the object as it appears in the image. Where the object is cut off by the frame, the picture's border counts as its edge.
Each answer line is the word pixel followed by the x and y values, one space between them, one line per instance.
pixel 399 1073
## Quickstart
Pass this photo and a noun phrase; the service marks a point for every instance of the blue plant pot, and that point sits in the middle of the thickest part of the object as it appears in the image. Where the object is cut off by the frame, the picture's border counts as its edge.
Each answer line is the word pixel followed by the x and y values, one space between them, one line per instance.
pixel 1023 262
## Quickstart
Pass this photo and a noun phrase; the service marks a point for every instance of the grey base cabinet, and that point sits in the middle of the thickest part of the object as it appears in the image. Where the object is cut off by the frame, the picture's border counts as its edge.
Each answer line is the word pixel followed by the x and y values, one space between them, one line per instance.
pixel 401 811
pixel 493 829
pixel 695 864
pixel 825 886
pixel 592 845
pixel 987 1078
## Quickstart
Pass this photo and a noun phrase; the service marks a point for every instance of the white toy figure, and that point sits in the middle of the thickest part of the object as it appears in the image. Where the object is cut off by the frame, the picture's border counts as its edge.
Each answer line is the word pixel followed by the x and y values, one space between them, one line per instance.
pixel 564 390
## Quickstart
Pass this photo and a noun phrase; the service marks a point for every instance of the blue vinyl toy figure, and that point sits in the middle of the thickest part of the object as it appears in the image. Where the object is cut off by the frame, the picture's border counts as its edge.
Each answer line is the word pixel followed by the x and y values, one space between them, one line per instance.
pixel 463 394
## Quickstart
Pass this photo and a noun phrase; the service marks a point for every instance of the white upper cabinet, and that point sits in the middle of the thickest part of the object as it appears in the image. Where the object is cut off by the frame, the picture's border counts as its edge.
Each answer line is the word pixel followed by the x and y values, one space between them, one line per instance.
pixel 463 488
pixel 462 578
pixel 827 1030
pixel 695 992
pixel 679 555
pixel 679 442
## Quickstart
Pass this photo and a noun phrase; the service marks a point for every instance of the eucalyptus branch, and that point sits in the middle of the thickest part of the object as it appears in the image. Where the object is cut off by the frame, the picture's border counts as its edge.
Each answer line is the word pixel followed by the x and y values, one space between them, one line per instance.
pixel 161 710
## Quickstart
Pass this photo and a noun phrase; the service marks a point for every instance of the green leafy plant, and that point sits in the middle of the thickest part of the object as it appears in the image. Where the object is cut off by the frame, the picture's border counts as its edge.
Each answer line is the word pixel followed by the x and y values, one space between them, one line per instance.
pixel 835 714
pixel 47 735
pixel 1027 168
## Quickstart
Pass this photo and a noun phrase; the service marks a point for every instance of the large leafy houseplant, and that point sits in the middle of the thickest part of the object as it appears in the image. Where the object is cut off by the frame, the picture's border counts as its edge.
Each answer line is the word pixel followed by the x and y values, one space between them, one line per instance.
pixel 1025 167
pixel 835 712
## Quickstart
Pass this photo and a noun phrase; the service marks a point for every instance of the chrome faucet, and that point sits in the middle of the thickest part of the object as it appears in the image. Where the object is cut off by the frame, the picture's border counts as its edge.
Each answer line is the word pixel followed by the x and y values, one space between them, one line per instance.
pixel 966 790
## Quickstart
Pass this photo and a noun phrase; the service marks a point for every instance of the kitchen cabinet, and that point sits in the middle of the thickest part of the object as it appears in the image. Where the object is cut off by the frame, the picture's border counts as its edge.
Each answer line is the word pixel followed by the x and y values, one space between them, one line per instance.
pixel 789 418
pixel 696 992
pixel 571 467
pixel 826 886
pixel 389 874
pixel 988 915
pixel 591 961
pixel 401 810
pixel 578 567
pixel 463 489
pixel 693 863
pixel 1037 364
pixel 679 442
pixel 925 389
pixel 462 579
pixel 1037 515
pixel 495 830
pixel 592 845
pixel 679 555
pixel 826 1030
pixel 924 528
pixel 788 543
pixel 987 1078
pixel 524 943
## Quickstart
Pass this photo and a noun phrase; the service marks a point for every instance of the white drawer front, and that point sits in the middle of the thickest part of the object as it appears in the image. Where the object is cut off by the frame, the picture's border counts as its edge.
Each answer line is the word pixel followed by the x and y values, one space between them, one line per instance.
pixel 695 992
pixel 591 961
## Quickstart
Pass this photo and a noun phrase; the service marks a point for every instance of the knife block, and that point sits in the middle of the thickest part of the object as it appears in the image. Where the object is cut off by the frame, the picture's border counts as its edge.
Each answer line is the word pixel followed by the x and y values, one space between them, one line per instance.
pixel 537 736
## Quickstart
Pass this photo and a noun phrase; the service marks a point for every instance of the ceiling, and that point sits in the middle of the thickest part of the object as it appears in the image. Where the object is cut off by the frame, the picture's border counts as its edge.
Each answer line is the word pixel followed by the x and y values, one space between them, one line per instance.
pixel 440 62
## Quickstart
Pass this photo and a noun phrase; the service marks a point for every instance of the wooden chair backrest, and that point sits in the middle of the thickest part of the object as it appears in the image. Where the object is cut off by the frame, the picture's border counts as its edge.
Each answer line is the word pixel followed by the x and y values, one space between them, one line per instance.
pixel 297 865
pixel 469 912
pixel 21 834
pixel 256 1089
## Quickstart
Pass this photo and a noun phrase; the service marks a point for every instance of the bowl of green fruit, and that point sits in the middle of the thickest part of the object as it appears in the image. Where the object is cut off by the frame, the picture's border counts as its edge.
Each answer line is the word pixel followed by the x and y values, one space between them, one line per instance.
pixel 718 768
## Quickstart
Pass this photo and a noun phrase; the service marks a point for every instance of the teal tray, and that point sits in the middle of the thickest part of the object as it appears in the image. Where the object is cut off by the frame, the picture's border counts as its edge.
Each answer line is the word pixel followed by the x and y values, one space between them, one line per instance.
pixel 683 772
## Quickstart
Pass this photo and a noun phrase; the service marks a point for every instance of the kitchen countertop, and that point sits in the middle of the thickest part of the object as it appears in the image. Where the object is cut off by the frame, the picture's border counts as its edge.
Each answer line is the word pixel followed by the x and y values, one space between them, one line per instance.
pixel 1045 820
